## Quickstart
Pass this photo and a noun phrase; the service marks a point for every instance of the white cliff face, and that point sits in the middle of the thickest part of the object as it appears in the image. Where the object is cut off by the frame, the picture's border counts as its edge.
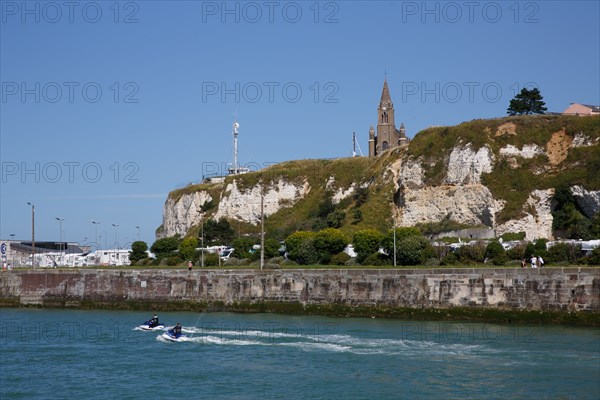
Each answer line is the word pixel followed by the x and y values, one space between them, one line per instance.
pixel 528 151
pixel 244 205
pixel 466 166
pixel 536 224
pixel 342 193
pixel 589 201
pixel 339 194
pixel 181 215
pixel 581 140
pixel 411 174
pixel 469 204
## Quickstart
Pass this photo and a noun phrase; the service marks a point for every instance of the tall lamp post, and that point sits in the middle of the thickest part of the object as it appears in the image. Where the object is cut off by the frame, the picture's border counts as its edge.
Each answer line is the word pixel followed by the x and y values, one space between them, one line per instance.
pixel 116 226
pixel 12 238
pixel 138 231
pixel 60 220
pixel 202 249
pixel 32 235
pixel 96 225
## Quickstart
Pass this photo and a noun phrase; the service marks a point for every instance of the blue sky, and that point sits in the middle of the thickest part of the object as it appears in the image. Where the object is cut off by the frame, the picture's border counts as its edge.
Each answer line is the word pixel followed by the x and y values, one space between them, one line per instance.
pixel 106 107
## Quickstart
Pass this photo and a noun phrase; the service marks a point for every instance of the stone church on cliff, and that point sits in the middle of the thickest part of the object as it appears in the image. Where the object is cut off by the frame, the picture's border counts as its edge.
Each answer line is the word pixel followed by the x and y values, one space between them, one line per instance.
pixel 387 137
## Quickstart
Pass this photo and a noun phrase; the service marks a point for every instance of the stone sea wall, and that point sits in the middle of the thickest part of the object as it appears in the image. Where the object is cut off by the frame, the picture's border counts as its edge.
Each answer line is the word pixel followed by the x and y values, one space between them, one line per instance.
pixel 547 294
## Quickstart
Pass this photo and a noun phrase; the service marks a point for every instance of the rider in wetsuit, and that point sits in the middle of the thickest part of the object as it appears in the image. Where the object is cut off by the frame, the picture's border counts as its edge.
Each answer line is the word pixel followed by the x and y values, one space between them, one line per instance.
pixel 177 330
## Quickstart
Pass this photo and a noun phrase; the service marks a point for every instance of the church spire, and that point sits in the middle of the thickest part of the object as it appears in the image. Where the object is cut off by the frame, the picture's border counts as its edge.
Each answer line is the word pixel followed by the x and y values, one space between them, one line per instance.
pixel 386 99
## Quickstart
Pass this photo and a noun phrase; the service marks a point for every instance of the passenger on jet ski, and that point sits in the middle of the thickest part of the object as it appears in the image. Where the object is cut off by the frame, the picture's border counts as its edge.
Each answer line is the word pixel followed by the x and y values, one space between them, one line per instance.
pixel 153 321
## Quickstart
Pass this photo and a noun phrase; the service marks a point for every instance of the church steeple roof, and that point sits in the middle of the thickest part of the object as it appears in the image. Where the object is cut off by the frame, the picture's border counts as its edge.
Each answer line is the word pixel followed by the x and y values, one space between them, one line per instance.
pixel 385 93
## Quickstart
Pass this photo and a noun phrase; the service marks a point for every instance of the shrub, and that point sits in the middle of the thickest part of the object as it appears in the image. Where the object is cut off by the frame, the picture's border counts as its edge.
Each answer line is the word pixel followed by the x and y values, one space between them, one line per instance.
pixel 376 259
pixel 339 259
pixel 450 259
pixel 211 259
pixel 563 252
pixel 234 262
pixel 517 252
pixel 529 250
pixel 594 258
pixel 495 253
pixel 511 236
pixel 473 252
pixel 413 250
pixel 171 261
pixel 357 216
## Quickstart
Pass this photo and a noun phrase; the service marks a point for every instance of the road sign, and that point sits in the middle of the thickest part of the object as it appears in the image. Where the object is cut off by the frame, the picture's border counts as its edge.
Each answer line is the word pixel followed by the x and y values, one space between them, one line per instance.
pixel 3 248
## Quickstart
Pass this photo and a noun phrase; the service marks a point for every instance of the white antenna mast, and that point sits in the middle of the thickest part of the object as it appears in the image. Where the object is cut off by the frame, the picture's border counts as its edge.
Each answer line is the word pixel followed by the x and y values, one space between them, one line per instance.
pixel 235 144
pixel 354 145
pixel 235 167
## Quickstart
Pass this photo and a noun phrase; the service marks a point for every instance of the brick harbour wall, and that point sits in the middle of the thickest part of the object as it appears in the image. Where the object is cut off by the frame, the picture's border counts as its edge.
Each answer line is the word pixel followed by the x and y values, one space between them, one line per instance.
pixel 546 289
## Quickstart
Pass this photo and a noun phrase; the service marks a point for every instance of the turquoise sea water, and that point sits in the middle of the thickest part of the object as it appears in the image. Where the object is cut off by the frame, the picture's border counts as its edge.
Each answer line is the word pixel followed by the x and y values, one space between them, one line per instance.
pixel 70 354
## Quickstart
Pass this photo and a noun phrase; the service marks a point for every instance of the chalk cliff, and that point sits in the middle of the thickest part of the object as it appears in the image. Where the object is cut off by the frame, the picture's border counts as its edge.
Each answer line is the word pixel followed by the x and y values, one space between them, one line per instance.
pixel 495 174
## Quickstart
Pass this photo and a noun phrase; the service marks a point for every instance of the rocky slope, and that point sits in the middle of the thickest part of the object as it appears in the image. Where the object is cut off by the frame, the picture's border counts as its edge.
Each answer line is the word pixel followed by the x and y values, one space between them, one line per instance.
pixel 498 174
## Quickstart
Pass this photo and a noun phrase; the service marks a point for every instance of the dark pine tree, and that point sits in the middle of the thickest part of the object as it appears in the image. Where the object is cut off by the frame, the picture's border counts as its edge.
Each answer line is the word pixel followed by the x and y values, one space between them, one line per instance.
pixel 527 102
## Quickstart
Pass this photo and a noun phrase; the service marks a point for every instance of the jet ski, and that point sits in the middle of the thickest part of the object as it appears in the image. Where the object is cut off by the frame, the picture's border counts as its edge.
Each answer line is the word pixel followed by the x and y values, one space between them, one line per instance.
pixel 147 326
pixel 171 336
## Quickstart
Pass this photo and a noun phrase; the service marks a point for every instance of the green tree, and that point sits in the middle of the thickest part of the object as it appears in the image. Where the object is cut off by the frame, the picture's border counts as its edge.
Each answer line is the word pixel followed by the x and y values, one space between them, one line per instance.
pixel 328 242
pixel 495 253
pixel 165 247
pixel 242 247
pixel 401 233
pixel 413 250
pixel 335 219
pixel 527 102
pixel 271 248
pixel 540 247
pixel 218 232
pixel 366 242
pixel 187 248
pixel 295 240
pixel 306 253
pixel 138 252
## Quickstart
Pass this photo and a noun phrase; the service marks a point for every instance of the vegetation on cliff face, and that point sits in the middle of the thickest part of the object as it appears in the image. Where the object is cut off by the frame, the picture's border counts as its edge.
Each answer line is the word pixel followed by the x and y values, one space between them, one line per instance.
pixel 561 159
pixel 513 178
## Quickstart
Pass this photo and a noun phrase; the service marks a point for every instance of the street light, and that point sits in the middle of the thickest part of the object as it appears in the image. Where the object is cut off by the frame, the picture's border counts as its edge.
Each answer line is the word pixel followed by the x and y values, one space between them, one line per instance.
pixel 96 225
pixel 60 220
pixel 138 229
pixel 12 238
pixel 32 235
pixel 116 226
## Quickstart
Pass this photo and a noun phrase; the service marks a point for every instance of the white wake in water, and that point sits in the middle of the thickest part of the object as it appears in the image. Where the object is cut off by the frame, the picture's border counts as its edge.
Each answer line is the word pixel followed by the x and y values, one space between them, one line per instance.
pixel 329 342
